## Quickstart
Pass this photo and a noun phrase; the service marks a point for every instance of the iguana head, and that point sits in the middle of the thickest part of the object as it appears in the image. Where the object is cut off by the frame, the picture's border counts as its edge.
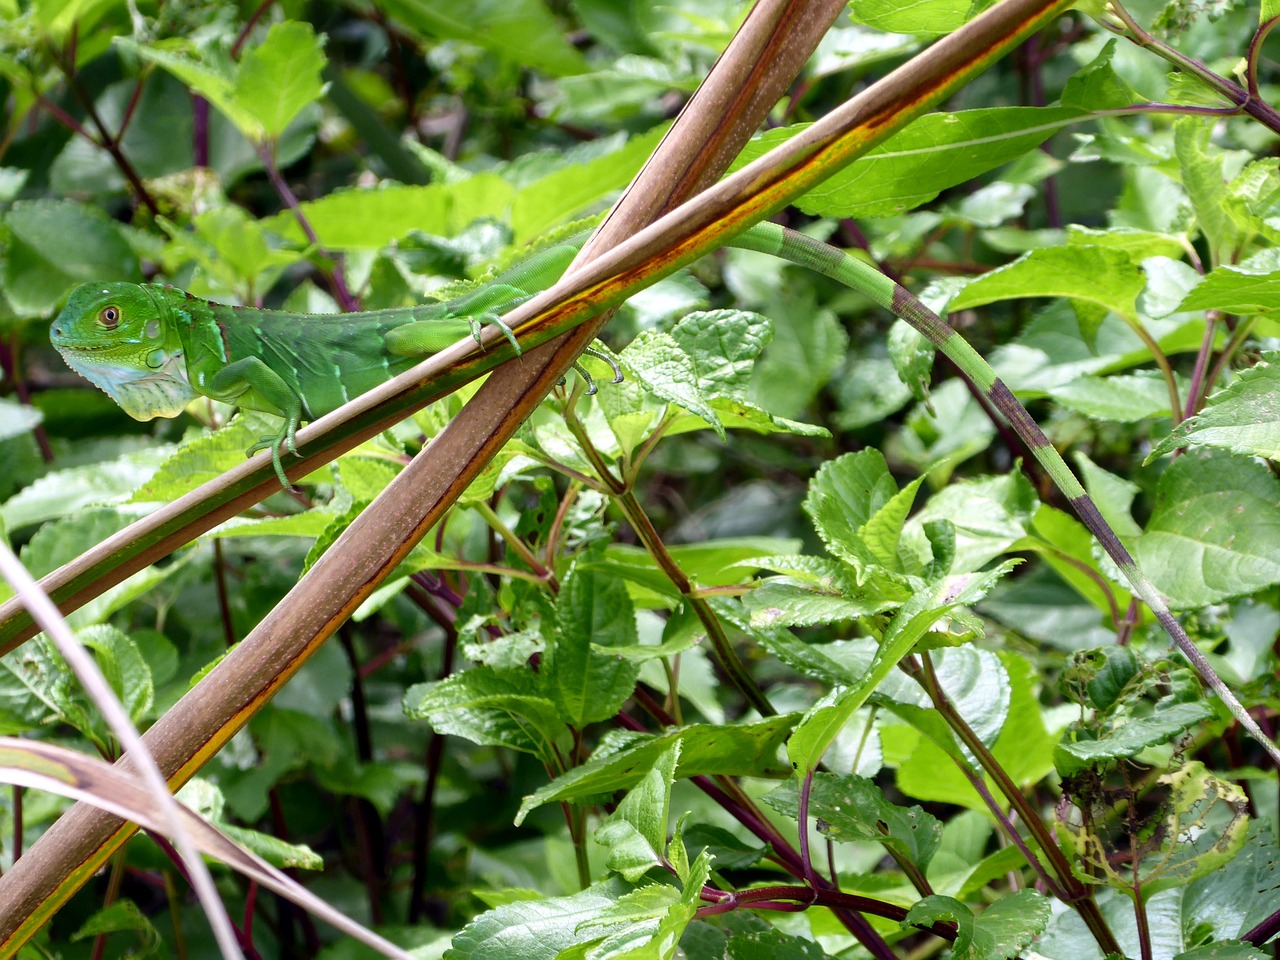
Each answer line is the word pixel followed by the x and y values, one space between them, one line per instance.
pixel 120 337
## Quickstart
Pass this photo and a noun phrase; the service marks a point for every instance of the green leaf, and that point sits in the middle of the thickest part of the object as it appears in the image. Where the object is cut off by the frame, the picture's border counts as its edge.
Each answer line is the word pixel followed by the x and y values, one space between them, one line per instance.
pixel 771 944
pixel 1215 530
pixel 929 155
pixel 1127 739
pixel 1101 275
pixel 724 345
pixel 60 542
pixel 658 362
pixel 823 722
pixel 63 492
pixel 593 613
pixel 521 31
pixel 357 219
pixel 122 915
pixel 53 246
pixel 846 500
pixel 852 809
pixel 926 18
pixel 506 710
pixel 534 929
pixel 1251 286
pixel 1201 166
pixel 741 749
pixel 1126 398
pixel 280 76
pixel 122 664
pixel 1098 87
pixel 636 833
pixel 17 419
pixel 1002 930
pixel 1243 418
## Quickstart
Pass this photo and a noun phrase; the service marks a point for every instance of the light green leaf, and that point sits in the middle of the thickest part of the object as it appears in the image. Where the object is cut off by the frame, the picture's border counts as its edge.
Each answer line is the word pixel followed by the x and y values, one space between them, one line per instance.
pixel 845 495
pixel 724 345
pixel 770 943
pixel 17 419
pixel 358 219
pixel 521 31
pixel 1252 286
pixel 931 154
pixel 1215 530
pixel 1243 418
pixel 925 18
pixel 1125 398
pixel 823 722
pixel 658 362
pixel 1100 275
pixel 280 76
pixel 122 664
pixel 636 833
pixel 63 492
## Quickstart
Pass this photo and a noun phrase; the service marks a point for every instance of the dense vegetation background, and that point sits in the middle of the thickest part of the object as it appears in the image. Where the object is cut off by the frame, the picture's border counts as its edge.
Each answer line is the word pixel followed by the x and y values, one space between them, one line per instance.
pixel 565 725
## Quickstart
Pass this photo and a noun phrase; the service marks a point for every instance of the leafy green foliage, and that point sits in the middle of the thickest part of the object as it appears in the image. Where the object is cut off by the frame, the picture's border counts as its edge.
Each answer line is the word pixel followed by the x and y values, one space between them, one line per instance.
pixel 791 562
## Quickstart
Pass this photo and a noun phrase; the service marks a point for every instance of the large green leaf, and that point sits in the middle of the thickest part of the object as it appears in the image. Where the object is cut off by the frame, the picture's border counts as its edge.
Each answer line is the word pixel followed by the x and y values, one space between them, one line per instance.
pixel 1215 529
pixel 931 154
pixel 1243 418
pixel 55 245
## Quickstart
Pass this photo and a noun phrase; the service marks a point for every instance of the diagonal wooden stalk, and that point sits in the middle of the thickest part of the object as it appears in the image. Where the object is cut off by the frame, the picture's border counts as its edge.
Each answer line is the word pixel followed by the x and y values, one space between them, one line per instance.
pixel 679 237
pixel 74 847
pixel 202 722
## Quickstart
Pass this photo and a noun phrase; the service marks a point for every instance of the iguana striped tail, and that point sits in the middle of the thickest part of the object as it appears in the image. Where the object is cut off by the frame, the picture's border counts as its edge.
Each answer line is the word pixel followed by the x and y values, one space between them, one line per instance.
pixel 836 264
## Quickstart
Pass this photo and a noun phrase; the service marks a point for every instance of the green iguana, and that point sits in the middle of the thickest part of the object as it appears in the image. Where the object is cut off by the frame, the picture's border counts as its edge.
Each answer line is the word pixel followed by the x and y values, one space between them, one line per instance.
pixel 154 348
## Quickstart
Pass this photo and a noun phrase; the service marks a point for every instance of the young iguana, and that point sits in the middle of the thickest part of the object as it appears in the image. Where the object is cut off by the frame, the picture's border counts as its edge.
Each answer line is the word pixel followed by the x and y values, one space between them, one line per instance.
pixel 154 348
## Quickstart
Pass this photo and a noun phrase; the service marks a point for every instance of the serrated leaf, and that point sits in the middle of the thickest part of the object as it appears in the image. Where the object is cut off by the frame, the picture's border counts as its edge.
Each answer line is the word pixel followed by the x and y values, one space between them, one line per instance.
pixel 851 809
pixel 636 833
pixel 358 219
pixel 1002 930
pixel 523 32
pixel 1243 418
pixel 593 613
pixel 491 709
pixel 534 929
pixel 64 492
pixel 1126 398
pixel 845 496
pixel 1215 530
pixel 658 362
pixel 742 749
pixel 723 345
pixel 277 78
pixel 823 722
pixel 1131 737
pixel 771 944
pixel 123 666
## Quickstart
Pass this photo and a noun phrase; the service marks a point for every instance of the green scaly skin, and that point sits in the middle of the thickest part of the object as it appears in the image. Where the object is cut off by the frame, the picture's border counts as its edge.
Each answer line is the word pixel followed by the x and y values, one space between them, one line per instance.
pixel 154 348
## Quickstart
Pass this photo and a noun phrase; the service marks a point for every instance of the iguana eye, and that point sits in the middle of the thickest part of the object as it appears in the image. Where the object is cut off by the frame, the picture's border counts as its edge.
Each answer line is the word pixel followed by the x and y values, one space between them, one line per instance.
pixel 109 317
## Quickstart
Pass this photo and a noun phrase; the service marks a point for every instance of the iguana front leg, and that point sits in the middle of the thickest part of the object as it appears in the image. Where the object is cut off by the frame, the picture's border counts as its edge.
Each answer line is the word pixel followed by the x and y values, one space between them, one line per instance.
pixel 248 380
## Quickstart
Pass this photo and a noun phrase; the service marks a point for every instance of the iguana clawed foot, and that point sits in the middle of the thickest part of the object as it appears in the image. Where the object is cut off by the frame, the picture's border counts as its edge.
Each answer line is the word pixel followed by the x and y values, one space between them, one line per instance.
pixel 286 439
